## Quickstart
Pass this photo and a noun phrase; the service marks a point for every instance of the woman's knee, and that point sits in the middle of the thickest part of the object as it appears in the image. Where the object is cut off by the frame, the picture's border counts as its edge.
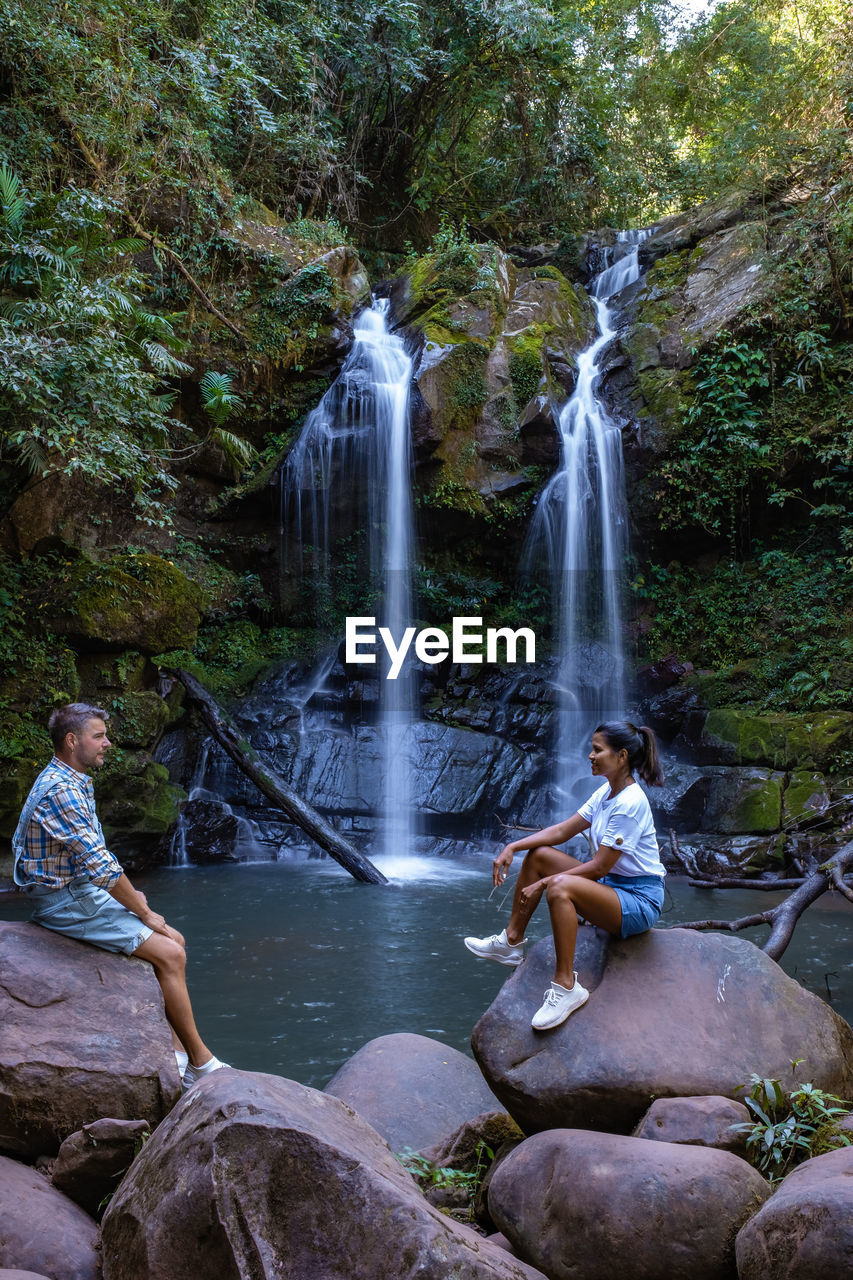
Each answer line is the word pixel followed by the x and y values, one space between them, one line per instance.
pixel 560 888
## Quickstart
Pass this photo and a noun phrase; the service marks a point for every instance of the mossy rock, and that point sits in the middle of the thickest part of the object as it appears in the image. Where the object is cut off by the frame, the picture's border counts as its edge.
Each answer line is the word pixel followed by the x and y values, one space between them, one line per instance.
pixel 818 740
pixel 140 602
pixel 806 795
pixel 103 671
pixel 137 719
pixel 747 801
pixel 735 735
pixel 135 796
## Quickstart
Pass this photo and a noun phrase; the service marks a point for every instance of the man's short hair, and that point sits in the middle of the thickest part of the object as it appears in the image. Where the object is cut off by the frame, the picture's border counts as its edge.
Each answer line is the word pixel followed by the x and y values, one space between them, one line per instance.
pixel 72 719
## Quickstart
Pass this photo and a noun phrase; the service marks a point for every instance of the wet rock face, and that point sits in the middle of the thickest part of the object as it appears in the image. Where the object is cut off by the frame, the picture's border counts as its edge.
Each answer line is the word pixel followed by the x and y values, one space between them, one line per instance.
pixel 672 1013
pixel 253 1175
pixel 598 1205
pixel 415 1091
pixel 805 1230
pixel 63 1062
pixel 43 1232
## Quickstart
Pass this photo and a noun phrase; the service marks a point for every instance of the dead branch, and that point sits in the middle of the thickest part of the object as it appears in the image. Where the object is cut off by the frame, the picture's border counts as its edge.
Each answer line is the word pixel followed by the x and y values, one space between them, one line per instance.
pixel 273 785
pixel 784 916
pixel 744 882
pixel 157 243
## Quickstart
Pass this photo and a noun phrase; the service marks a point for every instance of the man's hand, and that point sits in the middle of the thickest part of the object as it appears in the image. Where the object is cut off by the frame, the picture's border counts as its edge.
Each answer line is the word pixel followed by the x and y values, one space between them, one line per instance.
pixel 158 924
pixel 502 864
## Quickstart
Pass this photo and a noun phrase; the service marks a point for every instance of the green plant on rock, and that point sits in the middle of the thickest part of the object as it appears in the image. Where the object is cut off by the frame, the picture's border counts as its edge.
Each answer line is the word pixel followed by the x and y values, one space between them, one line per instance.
pixel 790 1128
pixel 429 1175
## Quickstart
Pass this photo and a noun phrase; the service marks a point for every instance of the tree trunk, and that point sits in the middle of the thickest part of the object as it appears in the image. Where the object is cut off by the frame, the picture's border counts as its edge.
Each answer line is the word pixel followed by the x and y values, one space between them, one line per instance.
pixel 273 786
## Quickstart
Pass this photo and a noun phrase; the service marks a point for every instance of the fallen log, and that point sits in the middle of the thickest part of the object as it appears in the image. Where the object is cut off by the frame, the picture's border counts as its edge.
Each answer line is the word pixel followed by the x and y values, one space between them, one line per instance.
pixel 784 916
pixel 273 785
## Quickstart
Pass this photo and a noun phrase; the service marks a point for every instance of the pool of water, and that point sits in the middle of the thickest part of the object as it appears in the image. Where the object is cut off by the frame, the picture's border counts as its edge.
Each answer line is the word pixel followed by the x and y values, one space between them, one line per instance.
pixel 293 965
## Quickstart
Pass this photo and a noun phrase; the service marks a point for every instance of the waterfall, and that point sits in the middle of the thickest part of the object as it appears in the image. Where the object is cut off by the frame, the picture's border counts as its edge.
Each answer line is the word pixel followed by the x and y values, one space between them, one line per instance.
pixel 354 455
pixel 580 527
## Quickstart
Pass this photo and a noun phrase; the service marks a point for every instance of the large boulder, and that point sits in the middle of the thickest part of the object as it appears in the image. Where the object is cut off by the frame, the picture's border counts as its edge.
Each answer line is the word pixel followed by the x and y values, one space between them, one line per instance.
pixel 598 1205
pixel 255 1176
pixel 415 1091
pixel 83 1035
pixel 42 1231
pixel 672 1013
pixel 806 1229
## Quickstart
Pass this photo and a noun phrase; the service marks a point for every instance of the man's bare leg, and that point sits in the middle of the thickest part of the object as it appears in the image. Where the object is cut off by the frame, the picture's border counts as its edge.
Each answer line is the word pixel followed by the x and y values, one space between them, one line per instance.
pixel 170 960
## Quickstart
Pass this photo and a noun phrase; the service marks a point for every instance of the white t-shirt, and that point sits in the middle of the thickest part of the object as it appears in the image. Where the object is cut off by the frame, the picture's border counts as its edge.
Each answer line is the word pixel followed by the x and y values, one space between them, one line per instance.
pixel 624 823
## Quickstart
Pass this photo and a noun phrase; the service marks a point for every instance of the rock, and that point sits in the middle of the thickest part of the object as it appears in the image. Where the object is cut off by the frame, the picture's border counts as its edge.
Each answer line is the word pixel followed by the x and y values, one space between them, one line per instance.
pixel 672 1013
pixel 210 832
pixel 91 1160
pixel 463 1149
pixel 662 675
pixel 743 800
pixel 735 735
pixel 805 1230
pixel 130 601
pixel 6 1274
pixel 598 1205
pixel 84 1033
pixel 43 1232
pixel 255 1176
pixel 697 1122
pixel 806 796
pixel 415 1091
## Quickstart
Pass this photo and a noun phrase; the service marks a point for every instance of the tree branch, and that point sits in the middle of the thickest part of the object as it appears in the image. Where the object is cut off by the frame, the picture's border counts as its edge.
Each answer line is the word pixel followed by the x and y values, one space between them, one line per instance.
pixel 783 917
pixel 273 785
pixel 209 305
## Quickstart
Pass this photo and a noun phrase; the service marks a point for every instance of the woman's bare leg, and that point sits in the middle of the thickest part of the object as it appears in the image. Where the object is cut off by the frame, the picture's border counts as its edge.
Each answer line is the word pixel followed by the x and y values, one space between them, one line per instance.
pixel 569 896
pixel 538 863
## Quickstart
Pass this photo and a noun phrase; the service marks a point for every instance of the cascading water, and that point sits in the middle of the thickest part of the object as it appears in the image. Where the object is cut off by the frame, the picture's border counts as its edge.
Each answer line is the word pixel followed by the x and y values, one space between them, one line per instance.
pixel 581 527
pixel 355 453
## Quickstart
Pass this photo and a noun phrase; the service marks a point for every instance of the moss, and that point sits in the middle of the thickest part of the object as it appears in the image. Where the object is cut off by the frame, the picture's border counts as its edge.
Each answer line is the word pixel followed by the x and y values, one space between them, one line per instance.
pixel 818 740
pixel 525 371
pixel 138 601
pixel 661 390
pixel 137 719
pixel 135 797
pixel 805 795
pixel 293 316
pixel 759 808
pixel 781 740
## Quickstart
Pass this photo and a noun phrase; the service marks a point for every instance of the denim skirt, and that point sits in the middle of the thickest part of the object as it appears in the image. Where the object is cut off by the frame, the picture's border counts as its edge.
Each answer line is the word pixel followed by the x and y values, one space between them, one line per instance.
pixel 87 912
pixel 641 899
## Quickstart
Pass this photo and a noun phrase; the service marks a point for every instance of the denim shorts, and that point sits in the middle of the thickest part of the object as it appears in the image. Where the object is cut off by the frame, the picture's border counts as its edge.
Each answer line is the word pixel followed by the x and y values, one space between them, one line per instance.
pixel 87 912
pixel 641 899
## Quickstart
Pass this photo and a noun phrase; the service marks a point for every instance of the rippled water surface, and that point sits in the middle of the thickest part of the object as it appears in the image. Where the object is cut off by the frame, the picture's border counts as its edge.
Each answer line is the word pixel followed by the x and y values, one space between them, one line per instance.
pixel 294 966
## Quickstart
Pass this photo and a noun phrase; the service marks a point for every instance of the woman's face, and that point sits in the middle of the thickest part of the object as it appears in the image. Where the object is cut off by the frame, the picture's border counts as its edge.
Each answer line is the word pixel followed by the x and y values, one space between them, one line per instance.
pixel 606 763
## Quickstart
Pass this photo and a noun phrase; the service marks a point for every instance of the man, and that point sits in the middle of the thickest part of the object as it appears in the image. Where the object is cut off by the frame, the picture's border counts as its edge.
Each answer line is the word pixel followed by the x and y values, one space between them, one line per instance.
pixel 79 889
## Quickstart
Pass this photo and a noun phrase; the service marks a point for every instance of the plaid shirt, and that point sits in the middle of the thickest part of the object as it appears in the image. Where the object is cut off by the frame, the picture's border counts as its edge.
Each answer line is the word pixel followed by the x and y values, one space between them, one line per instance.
pixel 64 839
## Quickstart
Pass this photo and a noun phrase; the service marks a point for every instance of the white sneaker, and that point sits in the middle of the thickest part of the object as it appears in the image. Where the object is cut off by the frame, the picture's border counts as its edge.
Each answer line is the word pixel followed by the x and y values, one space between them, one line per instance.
pixel 497 948
pixel 192 1075
pixel 558 1004
pixel 182 1061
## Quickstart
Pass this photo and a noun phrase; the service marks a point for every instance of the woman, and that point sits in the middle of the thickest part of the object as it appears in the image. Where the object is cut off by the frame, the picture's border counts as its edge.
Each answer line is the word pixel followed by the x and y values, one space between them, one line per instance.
pixel 620 888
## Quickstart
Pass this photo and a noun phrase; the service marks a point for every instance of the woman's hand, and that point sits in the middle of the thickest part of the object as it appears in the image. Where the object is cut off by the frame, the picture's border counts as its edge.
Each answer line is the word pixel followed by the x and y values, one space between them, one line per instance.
pixel 502 864
pixel 531 893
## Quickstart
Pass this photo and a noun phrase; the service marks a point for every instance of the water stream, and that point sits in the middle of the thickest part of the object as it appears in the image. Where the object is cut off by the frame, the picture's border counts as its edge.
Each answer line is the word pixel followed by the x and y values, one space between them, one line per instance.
pixel 357 444
pixel 580 531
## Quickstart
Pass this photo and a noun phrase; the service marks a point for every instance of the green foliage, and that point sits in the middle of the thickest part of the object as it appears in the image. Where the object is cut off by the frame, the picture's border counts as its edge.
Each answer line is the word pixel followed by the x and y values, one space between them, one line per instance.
pixel 428 1175
pixel 229 656
pixel 788 1129
pixel 785 613
pixel 82 359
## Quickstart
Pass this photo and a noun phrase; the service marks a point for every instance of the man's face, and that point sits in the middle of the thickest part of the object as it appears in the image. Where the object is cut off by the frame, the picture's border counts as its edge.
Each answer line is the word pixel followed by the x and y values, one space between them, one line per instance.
pixel 89 746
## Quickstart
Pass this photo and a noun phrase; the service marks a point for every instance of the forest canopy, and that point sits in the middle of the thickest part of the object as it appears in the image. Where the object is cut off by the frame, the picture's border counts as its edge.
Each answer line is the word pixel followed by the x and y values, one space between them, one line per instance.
pixel 521 118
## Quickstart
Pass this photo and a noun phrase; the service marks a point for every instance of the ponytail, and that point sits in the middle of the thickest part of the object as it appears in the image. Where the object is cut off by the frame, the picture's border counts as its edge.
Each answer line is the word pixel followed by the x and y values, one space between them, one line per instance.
pixel 641 745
